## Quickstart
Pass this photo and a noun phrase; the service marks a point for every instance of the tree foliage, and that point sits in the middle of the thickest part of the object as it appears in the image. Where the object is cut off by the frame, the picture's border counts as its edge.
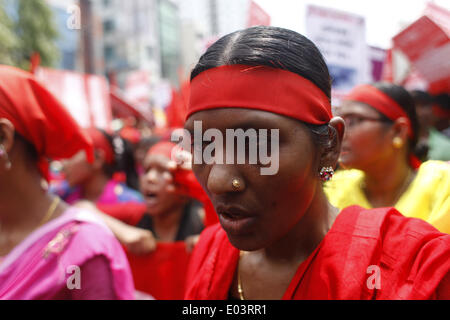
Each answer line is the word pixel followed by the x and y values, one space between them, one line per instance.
pixel 33 31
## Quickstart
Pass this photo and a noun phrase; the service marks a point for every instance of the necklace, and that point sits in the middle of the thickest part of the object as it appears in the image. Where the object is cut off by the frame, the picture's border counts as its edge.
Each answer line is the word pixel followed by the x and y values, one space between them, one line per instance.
pixel 240 290
pixel 50 211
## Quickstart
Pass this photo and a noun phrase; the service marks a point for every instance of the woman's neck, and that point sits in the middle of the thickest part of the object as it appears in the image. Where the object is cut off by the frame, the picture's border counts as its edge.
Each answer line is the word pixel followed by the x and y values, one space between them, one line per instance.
pixel 166 225
pixel 94 187
pixel 23 206
pixel 385 182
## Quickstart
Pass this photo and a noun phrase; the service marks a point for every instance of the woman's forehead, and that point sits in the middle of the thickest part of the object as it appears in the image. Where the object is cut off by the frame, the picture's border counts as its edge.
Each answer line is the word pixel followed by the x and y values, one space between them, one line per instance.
pixel 355 108
pixel 230 118
pixel 156 160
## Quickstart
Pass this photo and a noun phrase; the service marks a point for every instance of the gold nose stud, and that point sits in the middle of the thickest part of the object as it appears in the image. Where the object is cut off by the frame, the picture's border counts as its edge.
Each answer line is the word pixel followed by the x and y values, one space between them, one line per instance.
pixel 236 184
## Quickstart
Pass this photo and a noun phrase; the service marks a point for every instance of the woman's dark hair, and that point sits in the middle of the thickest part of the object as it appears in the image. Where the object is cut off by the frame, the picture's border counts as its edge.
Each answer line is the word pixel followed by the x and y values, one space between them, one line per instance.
pixel 123 160
pixel 406 102
pixel 278 48
pixel 29 147
pixel 421 98
pixel 268 46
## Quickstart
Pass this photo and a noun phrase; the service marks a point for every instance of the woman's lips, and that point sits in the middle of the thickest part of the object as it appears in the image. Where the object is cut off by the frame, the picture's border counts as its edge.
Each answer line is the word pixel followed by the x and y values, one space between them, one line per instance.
pixel 234 220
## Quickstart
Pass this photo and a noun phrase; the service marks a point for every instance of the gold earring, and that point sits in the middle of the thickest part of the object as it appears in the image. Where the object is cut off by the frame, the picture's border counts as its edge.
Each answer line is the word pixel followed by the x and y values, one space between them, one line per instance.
pixel 397 142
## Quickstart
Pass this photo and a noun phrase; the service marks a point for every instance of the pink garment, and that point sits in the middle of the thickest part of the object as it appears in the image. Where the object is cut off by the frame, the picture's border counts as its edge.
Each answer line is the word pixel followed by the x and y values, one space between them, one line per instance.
pixel 46 264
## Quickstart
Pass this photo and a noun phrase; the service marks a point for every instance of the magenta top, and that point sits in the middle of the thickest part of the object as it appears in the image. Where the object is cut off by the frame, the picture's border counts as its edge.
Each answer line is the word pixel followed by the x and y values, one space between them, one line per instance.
pixel 74 256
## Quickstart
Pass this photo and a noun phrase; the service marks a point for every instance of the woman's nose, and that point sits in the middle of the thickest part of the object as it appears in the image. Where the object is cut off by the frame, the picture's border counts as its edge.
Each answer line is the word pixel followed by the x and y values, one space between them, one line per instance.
pixel 221 177
pixel 151 176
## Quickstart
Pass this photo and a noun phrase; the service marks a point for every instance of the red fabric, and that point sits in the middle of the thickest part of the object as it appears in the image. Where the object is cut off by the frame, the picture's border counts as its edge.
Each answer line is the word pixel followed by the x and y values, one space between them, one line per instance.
pixel 131 134
pixel 129 212
pixel 163 148
pixel 40 118
pixel 414 162
pixel 261 88
pixel 440 112
pixel 161 273
pixel 176 110
pixel 412 257
pixel 101 143
pixel 380 101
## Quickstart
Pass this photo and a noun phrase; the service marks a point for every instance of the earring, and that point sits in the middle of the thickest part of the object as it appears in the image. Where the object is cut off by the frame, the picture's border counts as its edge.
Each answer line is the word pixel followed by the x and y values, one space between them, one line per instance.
pixel 4 154
pixel 326 173
pixel 397 142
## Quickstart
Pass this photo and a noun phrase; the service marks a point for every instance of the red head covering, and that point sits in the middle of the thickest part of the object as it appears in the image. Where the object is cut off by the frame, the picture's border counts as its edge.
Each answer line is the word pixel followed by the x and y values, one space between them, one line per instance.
pixel 163 148
pixel 101 143
pixel 261 88
pixel 380 101
pixel 40 118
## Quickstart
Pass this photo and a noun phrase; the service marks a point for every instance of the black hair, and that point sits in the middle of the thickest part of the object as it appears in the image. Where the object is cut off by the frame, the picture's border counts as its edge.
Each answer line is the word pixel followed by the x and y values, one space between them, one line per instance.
pixel 278 48
pixel 443 100
pixel 422 98
pixel 123 160
pixel 269 46
pixel 30 149
pixel 406 102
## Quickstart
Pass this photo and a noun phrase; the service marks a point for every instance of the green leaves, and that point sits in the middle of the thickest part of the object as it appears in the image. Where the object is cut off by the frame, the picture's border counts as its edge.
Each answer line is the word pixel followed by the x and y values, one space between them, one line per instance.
pixel 33 30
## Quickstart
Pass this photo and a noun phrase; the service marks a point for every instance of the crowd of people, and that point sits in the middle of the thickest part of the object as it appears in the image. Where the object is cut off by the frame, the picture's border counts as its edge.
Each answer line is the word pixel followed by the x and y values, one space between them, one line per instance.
pixel 358 209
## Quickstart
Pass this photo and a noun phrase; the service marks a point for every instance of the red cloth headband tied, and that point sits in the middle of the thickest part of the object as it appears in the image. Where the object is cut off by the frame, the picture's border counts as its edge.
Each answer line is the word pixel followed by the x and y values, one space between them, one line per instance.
pixel 380 101
pixel 261 88
pixel 40 118
pixel 386 105
pixel 101 143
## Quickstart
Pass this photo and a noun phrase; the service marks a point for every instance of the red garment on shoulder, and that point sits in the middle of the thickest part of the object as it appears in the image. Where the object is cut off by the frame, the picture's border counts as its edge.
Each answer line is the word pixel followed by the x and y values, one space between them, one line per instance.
pixel 411 256
pixel 161 273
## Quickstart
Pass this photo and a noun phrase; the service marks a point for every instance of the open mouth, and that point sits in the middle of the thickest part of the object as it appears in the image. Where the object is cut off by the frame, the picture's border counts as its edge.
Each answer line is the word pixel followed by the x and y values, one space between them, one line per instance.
pixel 151 198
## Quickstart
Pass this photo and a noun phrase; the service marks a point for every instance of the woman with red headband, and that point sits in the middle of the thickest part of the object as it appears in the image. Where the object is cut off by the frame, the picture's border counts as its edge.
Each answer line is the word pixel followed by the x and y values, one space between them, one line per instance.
pixel 111 181
pixel 48 250
pixel 378 149
pixel 279 237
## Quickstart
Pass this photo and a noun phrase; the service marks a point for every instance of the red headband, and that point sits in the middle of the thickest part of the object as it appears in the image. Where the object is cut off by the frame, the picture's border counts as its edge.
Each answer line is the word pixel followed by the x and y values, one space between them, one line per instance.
pixel 38 117
pixel 261 88
pixel 101 143
pixel 380 101
pixel 163 148
pixel 386 105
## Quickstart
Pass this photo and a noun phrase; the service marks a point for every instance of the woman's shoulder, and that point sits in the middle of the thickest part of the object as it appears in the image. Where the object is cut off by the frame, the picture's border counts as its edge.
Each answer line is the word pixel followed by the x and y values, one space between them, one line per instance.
pixel 387 224
pixel 89 235
pixel 435 168
pixel 406 250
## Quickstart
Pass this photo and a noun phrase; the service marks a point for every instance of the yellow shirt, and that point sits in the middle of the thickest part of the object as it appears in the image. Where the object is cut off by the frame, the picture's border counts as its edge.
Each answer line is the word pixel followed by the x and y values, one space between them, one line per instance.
pixel 427 197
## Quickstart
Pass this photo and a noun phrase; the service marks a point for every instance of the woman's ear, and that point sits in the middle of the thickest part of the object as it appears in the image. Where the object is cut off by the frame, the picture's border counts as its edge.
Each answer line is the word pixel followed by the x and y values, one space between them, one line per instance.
pixel 336 131
pixel 400 129
pixel 6 134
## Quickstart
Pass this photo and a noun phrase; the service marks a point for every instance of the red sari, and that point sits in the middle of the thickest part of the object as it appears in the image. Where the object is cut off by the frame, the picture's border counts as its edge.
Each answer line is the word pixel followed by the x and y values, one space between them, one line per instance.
pixel 410 256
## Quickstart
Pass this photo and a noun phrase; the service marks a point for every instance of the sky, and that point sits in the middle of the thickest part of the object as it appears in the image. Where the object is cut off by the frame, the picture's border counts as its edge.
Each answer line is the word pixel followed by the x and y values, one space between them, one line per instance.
pixel 384 18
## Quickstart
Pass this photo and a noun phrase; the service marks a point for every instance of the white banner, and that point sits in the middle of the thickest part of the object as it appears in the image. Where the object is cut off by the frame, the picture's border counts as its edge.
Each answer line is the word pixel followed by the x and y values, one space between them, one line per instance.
pixel 341 37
